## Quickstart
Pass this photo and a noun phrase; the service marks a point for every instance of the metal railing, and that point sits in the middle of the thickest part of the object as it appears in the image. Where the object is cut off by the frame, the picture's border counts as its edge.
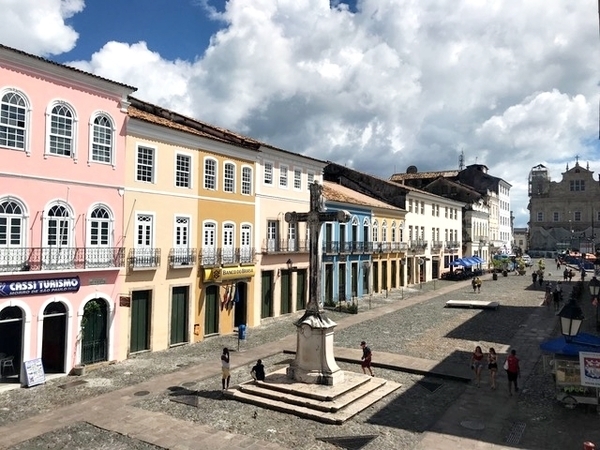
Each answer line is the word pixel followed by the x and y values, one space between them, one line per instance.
pixel 214 257
pixel 182 257
pixel 417 244
pixel 144 258
pixel 284 246
pixel 337 247
pixel 436 245
pixel 24 259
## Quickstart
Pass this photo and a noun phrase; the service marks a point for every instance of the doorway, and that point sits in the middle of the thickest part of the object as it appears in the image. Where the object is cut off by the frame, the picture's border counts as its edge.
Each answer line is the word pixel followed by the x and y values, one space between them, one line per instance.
pixel 241 304
pixel 301 290
pixel 11 329
pixel 211 310
pixel 54 338
pixel 375 277
pixel 94 343
pixel 179 314
pixel 140 321
pixel 286 292
pixel 266 308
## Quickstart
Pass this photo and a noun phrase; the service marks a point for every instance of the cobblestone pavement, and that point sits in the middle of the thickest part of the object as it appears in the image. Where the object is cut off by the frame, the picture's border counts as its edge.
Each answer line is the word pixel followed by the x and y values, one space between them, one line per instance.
pixel 422 329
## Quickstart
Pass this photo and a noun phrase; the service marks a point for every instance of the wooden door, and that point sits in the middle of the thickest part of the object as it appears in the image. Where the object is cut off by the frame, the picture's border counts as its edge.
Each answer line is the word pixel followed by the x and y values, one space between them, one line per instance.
pixel 140 321
pixel 179 314
pixel 266 309
pixel 211 310
pixel 300 290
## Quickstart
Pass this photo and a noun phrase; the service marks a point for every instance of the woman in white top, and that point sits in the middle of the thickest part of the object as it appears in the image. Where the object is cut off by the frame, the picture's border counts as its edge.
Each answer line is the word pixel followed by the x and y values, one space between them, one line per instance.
pixel 226 375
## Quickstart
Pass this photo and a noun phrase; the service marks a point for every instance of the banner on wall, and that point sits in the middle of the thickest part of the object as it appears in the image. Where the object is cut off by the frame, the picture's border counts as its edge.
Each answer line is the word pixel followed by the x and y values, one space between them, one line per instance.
pixel 36 286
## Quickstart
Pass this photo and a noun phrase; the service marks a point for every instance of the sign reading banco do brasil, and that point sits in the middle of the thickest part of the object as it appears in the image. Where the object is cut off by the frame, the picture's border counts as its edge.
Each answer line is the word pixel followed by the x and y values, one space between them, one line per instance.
pixel 228 273
pixel 35 287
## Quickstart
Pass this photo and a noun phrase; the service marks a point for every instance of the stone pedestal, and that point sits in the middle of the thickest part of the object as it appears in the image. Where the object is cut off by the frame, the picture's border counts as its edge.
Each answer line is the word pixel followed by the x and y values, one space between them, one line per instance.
pixel 315 363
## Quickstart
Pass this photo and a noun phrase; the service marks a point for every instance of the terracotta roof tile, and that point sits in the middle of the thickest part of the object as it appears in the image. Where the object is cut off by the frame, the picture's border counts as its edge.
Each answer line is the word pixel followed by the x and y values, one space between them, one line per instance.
pixel 337 193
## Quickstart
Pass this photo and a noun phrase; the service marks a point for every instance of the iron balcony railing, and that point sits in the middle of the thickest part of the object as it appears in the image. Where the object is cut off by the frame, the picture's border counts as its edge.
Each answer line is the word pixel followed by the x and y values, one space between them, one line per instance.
pixel 182 257
pixel 284 246
pixel 417 244
pixel 436 245
pixel 23 259
pixel 144 258
pixel 214 257
pixel 337 247
pixel 451 244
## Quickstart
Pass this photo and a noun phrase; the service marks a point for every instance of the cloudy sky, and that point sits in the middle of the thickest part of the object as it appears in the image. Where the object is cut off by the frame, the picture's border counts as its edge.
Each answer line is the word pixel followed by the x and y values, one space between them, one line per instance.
pixel 374 84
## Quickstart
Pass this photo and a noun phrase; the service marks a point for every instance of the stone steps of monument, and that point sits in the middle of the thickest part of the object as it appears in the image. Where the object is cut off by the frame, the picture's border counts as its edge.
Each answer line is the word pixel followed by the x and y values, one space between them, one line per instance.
pixel 329 404
pixel 335 411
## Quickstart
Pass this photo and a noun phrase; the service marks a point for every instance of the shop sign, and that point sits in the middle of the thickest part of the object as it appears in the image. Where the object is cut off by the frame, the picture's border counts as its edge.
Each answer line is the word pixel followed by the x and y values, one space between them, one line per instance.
pixel 589 367
pixel 228 273
pixel 36 287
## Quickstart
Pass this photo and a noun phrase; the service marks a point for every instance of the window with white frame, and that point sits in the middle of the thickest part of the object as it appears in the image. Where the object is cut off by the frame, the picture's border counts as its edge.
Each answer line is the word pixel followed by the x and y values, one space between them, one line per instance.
pixel 384 230
pixel 209 242
pixel 393 230
pixel 292 236
pixel 144 170
pixel 12 224
pixel 14 121
pixel 229 177
pixel 61 130
pixel 245 244
pixel 100 227
pixel 144 235
pixel 58 225
pixel 410 232
pixel 183 171
pixel 283 176
pixel 272 235
pixel 297 178
pixel 182 232
pixel 310 179
pixel 228 249
pixel 246 181
pixel 422 207
pixel 410 205
pixel 422 236
pixel 210 174
pixel 375 231
pixel 268 173
pixel 102 139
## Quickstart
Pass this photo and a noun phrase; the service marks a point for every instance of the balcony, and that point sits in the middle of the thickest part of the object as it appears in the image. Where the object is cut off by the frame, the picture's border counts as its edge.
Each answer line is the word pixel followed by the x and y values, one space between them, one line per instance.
pixel 417 245
pixel 182 258
pixel 437 245
pixel 481 239
pixel 337 247
pixel 271 246
pixel 216 257
pixel 399 246
pixel 451 245
pixel 144 258
pixel 23 259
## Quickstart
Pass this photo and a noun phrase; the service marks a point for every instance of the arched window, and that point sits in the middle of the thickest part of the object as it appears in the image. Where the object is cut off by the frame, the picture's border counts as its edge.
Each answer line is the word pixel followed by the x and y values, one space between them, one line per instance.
pixel 228 249
pixel 58 226
pixel 209 243
pixel 375 231
pixel 384 231
pixel 100 230
pixel 61 130
pixel 229 177
pixel 14 121
pixel 246 244
pixel 12 224
pixel 102 140
pixel 393 230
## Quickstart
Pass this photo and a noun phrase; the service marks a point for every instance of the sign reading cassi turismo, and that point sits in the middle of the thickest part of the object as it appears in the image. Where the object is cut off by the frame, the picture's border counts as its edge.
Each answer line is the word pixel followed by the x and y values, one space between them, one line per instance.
pixel 34 287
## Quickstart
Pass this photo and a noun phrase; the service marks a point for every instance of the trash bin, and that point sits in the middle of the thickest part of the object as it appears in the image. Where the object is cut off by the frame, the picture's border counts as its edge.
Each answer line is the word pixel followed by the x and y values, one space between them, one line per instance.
pixel 242 332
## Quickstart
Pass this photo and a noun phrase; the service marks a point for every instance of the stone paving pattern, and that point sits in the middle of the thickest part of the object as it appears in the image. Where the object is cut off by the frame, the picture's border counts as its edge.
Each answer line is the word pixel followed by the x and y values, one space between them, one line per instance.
pixel 107 413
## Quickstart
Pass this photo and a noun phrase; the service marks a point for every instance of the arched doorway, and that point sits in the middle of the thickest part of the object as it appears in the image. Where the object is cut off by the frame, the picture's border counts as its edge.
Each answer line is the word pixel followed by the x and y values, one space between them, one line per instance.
pixel 241 304
pixel 211 310
pixel 54 338
pixel 94 324
pixel 11 330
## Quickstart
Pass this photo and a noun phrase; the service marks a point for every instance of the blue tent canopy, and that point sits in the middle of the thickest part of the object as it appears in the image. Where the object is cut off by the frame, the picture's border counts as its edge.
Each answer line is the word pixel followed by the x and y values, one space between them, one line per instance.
pixel 583 342
pixel 457 262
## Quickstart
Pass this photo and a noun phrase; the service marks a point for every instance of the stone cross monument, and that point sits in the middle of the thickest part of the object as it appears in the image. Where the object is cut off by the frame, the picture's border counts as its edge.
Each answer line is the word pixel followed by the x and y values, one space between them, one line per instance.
pixel 314 361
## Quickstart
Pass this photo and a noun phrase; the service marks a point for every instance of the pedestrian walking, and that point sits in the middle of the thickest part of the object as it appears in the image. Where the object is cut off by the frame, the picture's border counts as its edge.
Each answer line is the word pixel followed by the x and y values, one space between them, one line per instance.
pixel 534 277
pixel 366 358
pixel 513 371
pixel 493 367
pixel 557 296
pixel 565 275
pixel 474 285
pixel 258 371
pixel 478 284
pixel 571 275
pixel 477 364
pixel 225 373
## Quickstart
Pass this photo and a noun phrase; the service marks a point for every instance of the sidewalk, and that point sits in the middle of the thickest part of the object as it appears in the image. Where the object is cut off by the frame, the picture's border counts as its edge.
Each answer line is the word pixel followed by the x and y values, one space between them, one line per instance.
pixel 114 410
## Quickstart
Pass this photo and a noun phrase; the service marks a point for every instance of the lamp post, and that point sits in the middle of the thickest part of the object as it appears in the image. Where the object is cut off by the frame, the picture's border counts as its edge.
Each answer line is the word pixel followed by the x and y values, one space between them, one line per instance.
pixel 594 287
pixel 571 318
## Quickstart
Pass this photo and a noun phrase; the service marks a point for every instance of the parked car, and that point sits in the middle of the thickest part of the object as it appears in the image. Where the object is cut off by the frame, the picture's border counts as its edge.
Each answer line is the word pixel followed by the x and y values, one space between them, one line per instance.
pixel 527 260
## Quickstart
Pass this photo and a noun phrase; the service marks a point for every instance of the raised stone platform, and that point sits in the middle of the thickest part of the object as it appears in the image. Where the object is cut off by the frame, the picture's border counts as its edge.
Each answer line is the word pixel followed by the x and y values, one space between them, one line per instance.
pixel 327 404
pixel 475 304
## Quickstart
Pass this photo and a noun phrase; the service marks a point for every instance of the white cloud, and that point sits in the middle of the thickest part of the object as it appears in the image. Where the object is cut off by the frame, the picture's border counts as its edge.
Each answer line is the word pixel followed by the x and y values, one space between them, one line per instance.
pixel 398 83
pixel 39 27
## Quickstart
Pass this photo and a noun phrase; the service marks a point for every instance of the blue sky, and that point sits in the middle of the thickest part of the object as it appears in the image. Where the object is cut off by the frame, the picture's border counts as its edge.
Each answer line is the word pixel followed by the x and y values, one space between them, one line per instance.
pixel 378 85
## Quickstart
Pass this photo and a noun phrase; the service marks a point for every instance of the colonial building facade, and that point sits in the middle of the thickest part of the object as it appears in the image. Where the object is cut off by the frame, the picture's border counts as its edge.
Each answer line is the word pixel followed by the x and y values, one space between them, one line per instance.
pixel 61 212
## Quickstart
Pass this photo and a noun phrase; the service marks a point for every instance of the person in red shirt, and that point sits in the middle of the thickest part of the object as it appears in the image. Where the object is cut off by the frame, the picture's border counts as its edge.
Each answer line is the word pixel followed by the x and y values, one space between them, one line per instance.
pixel 513 371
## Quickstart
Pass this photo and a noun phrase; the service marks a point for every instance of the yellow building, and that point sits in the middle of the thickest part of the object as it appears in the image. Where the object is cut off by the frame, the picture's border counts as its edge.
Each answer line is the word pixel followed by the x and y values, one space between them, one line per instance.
pixel 188 209
pixel 389 250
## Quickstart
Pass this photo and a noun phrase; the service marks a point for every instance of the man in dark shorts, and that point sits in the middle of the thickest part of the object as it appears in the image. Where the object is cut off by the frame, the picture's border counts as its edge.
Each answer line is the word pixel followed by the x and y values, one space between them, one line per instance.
pixel 258 371
pixel 366 358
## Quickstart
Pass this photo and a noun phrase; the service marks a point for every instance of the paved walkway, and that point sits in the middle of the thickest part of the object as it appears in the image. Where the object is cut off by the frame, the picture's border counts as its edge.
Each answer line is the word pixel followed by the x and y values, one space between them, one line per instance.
pixel 114 411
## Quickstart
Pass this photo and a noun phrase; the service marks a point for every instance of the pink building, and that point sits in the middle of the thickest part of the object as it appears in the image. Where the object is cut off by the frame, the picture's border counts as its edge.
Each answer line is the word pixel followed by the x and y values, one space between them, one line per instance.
pixel 62 171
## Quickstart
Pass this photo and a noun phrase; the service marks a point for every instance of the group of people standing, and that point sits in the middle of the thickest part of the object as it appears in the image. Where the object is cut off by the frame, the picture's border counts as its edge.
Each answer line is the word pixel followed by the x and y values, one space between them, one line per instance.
pixel 511 366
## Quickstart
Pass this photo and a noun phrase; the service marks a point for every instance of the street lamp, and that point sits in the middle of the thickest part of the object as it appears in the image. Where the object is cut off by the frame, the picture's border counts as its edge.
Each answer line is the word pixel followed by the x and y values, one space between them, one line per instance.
pixel 571 318
pixel 594 286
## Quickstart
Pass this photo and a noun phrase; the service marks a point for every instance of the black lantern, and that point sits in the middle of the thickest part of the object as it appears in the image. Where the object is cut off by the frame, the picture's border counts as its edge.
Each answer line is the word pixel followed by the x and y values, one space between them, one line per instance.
pixel 290 264
pixel 571 317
